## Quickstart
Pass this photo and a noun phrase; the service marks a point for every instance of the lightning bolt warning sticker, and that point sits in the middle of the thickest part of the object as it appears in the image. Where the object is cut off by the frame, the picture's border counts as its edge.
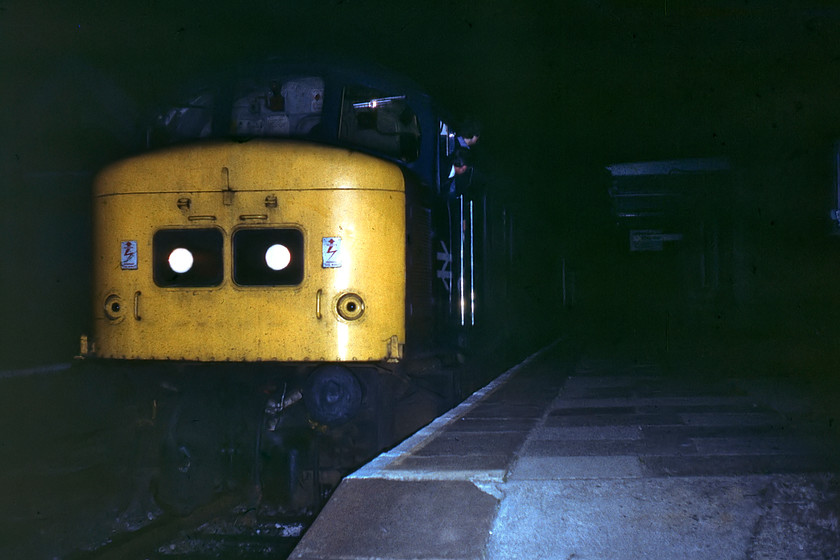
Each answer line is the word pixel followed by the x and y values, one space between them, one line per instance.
pixel 128 255
pixel 330 252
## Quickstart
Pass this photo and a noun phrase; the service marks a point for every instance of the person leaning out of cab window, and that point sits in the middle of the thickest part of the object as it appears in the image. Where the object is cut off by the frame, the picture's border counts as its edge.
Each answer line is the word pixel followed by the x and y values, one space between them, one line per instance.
pixel 468 133
pixel 460 178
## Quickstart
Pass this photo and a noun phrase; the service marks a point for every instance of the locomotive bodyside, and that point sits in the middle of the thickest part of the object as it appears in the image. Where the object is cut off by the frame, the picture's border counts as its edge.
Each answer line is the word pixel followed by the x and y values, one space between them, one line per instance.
pixel 338 216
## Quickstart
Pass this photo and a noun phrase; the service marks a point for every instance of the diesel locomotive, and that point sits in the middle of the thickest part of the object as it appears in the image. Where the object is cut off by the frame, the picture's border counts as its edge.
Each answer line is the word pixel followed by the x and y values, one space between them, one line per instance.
pixel 287 270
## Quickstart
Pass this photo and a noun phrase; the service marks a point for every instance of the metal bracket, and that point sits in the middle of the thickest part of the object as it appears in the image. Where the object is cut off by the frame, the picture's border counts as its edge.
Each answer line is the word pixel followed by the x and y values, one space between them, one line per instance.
pixel 394 351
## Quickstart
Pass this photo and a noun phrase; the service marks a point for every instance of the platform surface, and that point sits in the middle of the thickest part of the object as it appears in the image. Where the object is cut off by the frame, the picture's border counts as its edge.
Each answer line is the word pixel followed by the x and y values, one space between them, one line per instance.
pixel 563 457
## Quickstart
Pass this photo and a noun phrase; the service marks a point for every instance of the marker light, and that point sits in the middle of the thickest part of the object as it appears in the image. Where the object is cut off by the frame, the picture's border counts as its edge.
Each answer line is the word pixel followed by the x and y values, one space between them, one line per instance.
pixel 277 257
pixel 180 260
pixel 350 306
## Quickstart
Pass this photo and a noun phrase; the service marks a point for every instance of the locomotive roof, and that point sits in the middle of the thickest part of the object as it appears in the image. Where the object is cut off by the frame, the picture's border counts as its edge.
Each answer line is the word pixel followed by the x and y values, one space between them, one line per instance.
pixel 336 75
pixel 195 168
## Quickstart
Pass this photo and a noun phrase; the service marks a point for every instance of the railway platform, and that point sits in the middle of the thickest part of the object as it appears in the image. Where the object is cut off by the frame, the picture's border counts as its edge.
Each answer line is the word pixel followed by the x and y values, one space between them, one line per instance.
pixel 568 457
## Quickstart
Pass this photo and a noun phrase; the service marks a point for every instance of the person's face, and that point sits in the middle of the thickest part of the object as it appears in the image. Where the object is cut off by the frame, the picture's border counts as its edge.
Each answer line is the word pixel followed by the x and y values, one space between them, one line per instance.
pixel 472 140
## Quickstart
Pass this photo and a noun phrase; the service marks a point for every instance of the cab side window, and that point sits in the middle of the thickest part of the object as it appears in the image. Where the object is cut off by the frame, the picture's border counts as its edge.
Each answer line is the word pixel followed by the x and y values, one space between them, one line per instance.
pixel 446 152
pixel 380 122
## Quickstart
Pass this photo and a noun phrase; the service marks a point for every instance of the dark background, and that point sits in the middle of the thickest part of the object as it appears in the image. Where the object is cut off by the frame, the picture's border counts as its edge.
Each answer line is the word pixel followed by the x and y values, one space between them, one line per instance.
pixel 562 90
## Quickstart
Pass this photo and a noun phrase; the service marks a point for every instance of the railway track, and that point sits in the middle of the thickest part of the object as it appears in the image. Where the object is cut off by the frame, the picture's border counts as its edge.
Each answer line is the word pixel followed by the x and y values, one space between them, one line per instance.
pixel 225 528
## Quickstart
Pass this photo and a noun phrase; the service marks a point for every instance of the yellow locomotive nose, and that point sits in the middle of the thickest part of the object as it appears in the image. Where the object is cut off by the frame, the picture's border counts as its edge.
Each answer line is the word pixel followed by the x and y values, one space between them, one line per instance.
pixel 232 275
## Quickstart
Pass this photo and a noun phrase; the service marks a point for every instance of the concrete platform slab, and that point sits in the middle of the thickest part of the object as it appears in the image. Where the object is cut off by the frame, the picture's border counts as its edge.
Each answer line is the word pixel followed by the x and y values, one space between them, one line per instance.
pixel 447 519
pixel 627 519
pixel 561 468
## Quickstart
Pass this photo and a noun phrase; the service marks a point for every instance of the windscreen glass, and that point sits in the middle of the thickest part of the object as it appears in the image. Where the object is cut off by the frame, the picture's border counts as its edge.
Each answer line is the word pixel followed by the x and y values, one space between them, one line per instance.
pixel 280 106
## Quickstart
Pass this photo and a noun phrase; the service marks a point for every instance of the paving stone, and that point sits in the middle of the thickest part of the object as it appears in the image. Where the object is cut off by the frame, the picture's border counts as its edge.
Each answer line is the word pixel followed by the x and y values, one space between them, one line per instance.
pixel 614 420
pixel 735 465
pixel 492 425
pixel 446 519
pixel 453 463
pixel 472 444
pixel 587 433
pixel 558 468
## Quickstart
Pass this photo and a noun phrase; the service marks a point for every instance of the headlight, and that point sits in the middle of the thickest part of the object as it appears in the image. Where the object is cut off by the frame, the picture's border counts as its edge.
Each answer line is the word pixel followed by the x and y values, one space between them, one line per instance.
pixel 181 260
pixel 277 257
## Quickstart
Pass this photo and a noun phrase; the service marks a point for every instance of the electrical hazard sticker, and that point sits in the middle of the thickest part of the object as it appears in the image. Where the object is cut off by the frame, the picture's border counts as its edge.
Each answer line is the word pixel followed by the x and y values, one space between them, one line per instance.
pixel 331 252
pixel 128 255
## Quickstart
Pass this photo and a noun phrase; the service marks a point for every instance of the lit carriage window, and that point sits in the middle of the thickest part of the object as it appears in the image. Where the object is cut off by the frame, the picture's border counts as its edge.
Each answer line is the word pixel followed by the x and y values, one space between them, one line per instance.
pixel 268 257
pixel 188 257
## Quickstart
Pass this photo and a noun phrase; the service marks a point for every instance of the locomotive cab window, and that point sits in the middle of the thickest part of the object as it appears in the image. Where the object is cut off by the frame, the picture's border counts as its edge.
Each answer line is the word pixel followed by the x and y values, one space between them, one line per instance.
pixel 446 152
pixel 278 107
pixel 383 123
pixel 268 257
pixel 189 120
pixel 188 257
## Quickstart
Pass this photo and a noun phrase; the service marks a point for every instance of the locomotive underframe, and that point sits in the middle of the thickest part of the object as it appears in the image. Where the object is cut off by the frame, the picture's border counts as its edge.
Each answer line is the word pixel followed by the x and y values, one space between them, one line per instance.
pixel 204 429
